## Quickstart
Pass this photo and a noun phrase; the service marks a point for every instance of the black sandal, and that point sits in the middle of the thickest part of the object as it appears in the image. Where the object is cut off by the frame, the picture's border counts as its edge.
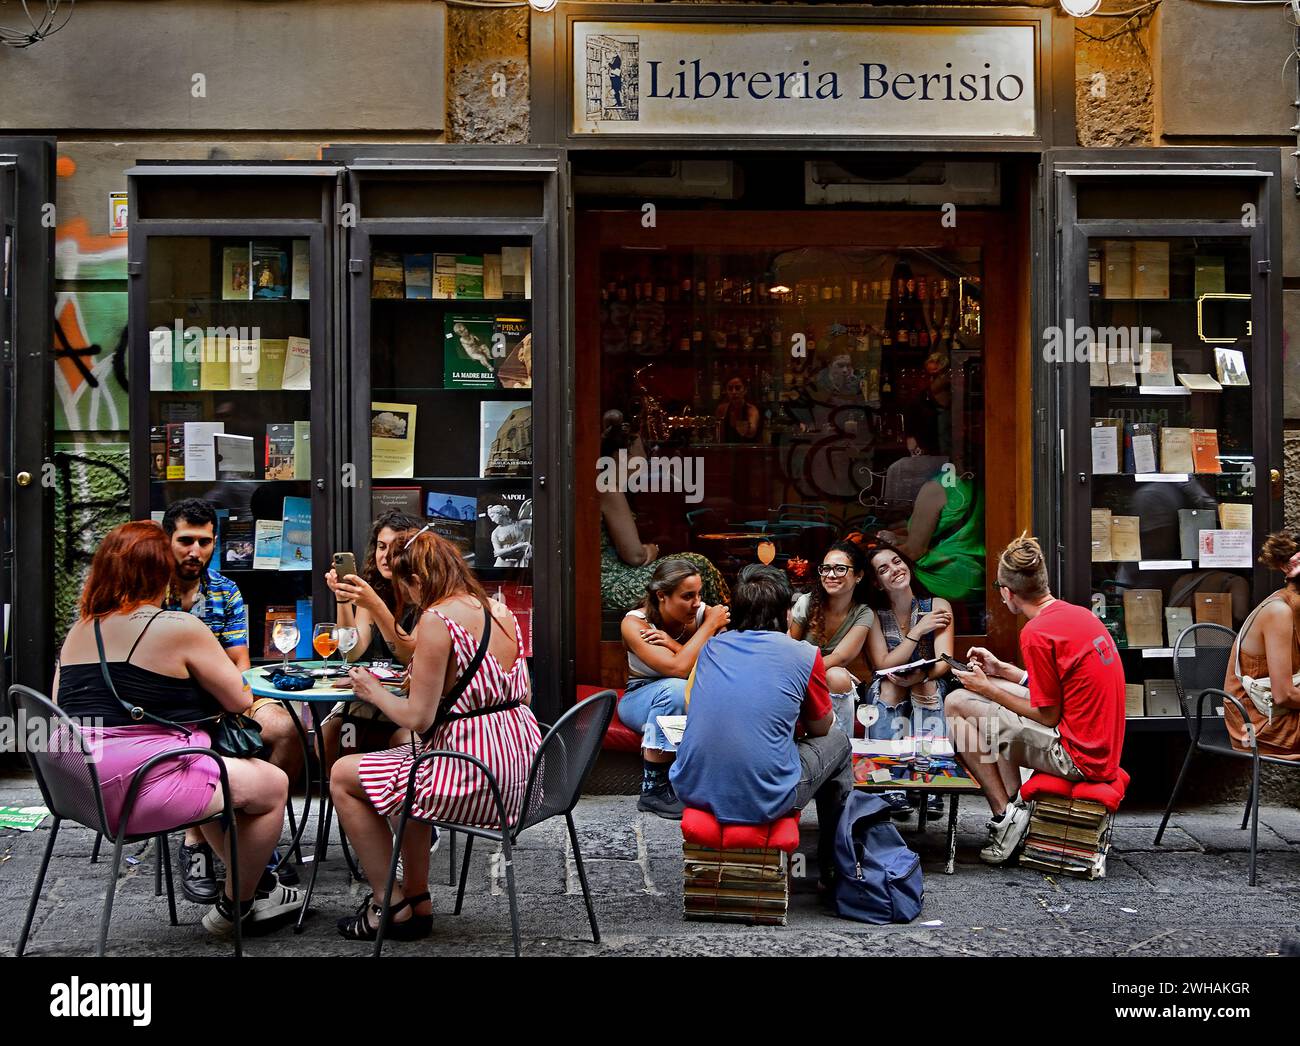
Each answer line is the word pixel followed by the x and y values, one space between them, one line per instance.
pixel 358 928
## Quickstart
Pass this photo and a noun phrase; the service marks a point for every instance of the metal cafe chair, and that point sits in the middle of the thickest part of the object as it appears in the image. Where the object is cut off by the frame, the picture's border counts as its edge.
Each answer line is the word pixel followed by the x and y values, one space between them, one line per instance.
pixel 564 760
pixel 69 784
pixel 1199 679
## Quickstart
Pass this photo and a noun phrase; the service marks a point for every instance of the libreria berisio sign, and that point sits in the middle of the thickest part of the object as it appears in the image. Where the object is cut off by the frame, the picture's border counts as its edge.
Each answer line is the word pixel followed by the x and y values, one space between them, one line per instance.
pixel 637 78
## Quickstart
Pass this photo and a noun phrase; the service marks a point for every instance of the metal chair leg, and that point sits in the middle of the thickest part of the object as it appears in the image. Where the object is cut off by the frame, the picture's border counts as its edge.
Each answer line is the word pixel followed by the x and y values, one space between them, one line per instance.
pixel 510 885
pixel 107 913
pixel 451 863
pixel 464 873
pixel 1250 802
pixel 94 854
pixel 582 878
pixel 159 841
pixel 386 911
pixel 36 891
pixel 1173 796
pixel 1254 820
pixel 165 863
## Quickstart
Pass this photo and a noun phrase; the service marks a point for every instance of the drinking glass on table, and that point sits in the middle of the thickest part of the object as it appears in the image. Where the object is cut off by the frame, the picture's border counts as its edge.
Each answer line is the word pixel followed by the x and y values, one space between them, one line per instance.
pixel 346 636
pixel 284 635
pixel 324 640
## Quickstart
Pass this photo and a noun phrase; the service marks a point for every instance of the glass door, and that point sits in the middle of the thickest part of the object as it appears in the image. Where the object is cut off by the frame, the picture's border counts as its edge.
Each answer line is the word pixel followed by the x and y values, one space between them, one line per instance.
pixel 452 351
pixel 229 327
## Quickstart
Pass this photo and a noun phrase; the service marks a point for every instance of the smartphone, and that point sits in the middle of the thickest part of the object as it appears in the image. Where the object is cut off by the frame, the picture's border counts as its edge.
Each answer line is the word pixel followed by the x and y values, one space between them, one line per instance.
pixel 961 666
pixel 345 563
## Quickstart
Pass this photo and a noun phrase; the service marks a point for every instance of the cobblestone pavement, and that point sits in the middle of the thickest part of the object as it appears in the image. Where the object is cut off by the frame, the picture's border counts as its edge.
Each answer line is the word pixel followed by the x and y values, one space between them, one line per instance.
pixel 1189 897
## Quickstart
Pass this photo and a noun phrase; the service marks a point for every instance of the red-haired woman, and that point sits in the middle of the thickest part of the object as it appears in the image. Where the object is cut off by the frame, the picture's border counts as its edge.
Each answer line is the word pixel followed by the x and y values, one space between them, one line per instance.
pixel 171 666
pixel 490 720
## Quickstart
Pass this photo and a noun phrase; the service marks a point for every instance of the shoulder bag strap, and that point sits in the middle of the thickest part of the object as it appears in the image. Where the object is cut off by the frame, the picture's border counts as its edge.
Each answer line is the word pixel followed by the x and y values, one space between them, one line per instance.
pixel 134 711
pixel 471 670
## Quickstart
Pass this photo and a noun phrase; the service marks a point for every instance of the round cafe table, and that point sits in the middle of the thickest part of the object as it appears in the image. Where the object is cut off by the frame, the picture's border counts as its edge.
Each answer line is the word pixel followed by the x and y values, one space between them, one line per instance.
pixel 322 696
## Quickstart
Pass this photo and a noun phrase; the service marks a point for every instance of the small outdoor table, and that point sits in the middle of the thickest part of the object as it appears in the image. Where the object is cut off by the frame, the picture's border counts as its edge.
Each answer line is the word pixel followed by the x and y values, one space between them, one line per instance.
pixel 323 695
pixel 953 787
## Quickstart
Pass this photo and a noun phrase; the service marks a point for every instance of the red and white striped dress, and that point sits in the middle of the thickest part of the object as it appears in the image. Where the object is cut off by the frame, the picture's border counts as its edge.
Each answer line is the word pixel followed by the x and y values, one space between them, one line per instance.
pixel 506 741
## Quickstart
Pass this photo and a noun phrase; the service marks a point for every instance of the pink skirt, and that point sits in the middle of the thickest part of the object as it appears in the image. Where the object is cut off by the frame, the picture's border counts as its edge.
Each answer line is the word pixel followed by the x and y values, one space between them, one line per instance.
pixel 174 793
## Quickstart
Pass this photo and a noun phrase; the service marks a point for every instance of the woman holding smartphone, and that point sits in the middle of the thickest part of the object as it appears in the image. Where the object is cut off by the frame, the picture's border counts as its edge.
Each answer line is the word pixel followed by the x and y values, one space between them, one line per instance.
pixel 367 602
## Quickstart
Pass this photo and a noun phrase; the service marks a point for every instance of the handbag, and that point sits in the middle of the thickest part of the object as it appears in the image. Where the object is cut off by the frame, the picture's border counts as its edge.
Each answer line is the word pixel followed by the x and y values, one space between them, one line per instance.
pixel 1260 691
pixel 291 678
pixel 233 734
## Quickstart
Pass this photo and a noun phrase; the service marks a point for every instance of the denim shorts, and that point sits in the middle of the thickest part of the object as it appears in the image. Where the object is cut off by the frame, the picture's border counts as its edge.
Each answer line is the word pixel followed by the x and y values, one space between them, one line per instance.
pixel 646 699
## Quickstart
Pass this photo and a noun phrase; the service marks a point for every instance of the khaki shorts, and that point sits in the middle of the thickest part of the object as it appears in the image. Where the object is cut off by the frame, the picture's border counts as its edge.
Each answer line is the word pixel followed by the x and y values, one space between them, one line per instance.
pixel 1021 741
pixel 261 702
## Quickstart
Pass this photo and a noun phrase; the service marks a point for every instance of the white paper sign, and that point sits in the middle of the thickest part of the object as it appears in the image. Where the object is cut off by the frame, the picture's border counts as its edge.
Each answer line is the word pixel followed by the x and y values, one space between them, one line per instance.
pixel 960 81
pixel 1144 453
pixel 1224 548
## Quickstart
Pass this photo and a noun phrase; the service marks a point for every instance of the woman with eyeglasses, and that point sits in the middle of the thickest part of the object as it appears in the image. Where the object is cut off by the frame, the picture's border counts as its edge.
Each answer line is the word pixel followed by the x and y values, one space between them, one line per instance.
pixel 911 625
pixel 834 617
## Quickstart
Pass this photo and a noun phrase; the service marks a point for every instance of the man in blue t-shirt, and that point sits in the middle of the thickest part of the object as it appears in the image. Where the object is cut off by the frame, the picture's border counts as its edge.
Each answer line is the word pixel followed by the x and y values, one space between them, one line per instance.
pixel 751 689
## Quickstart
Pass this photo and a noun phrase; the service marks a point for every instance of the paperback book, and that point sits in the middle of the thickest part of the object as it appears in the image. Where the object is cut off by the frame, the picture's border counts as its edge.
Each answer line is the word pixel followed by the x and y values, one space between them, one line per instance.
pixel 237 546
pixel 236 284
pixel 295 541
pixel 505 529
pixel 267 536
pixel 505 438
pixel 270 272
pixel 279 450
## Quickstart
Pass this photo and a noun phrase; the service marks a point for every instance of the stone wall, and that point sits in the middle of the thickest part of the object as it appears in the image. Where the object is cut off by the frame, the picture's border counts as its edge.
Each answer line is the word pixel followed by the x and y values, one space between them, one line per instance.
pixel 487 76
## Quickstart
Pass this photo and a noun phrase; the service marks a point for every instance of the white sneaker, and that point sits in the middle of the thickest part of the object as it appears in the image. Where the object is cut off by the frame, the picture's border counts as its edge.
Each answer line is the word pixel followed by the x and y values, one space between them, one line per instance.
pixel 281 901
pixel 1005 836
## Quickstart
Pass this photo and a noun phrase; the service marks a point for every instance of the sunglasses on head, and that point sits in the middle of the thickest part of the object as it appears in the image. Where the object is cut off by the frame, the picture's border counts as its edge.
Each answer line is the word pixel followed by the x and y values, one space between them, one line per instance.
pixel 427 526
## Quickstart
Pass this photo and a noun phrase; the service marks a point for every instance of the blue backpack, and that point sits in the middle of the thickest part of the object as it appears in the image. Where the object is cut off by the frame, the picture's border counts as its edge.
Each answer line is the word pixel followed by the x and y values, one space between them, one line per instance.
pixel 879 877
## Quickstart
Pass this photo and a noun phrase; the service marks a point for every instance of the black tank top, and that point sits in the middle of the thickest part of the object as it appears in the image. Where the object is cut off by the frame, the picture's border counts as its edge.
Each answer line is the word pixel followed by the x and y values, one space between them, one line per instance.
pixel 84 695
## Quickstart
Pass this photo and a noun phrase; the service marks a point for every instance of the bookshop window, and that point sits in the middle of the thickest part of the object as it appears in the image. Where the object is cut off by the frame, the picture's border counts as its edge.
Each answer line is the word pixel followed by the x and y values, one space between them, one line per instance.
pixel 451 369
pixel 1173 469
pixel 230 345
pixel 763 404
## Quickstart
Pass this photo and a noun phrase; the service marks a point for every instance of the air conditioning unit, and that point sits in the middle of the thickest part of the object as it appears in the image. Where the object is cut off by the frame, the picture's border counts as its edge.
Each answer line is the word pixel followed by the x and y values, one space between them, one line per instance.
pixel 699 179
pixel 890 180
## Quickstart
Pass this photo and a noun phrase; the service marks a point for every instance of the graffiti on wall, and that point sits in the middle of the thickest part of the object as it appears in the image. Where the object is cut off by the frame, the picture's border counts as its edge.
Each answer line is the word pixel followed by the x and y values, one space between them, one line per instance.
pixel 91 496
pixel 90 371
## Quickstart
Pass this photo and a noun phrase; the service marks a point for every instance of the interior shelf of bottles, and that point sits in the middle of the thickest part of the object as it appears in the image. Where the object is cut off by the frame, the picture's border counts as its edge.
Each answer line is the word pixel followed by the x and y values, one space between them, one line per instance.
pixel 1173 476
pixel 900 316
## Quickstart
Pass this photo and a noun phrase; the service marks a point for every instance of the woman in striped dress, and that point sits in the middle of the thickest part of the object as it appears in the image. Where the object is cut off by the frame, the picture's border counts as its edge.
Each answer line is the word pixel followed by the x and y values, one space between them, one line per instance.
pixel 490 720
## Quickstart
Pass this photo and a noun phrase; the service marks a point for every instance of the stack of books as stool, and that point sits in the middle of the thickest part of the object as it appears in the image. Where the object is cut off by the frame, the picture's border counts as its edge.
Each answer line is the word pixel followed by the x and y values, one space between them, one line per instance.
pixel 1068 836
pixel 747 886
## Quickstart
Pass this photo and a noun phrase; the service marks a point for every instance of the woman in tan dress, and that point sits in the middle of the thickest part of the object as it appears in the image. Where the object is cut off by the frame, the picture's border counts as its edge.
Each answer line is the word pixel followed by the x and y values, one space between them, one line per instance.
pixel 1270 649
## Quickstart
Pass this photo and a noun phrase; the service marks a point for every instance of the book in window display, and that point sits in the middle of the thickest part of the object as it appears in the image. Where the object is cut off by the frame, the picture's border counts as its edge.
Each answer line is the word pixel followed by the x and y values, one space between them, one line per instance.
pixel 270 272
pixel 271 354
pixel 394 499
pixel 235 456
pixel 418 274
pixel 158 452
pixel 267 540
pixel 516 272
pixel 459 532
pixel 469 276
pixel 513 335
pixel 505 529
pixel 1231 367
pixel 519 599
pixel 467 353
pixel 297 365
pixel 245 364
pixel 295 538
pixel 439 505
pixel 505 438
pixel 236 281
pixel 280 442
pixel 160 360
pixel 392 440
pixel 200 451
pixel 387 276
pixel 300 276
pixel 1177 621
pixel 237 547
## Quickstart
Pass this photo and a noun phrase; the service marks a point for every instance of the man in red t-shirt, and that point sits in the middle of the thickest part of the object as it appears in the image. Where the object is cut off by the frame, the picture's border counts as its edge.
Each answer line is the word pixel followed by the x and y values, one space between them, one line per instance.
pixel 1062 714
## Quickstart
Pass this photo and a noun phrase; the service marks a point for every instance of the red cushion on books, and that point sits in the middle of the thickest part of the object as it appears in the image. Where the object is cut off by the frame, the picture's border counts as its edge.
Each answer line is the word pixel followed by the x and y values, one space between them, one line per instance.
pixel 1109 793
pixel 700 828
pixel 619 737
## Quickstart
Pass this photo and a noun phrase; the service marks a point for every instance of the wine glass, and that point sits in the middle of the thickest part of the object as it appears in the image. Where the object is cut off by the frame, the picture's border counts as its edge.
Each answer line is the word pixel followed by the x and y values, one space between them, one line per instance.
pixel 346 637
pixel 324 641
pixel 284 634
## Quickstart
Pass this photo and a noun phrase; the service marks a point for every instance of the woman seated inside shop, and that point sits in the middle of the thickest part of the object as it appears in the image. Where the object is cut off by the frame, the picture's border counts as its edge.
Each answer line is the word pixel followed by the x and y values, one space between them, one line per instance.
pixel 944 536
pixel 911 625
pixel 170 666
pixel 489 718
pixel 1268 651
pixel 663 637
pixel 835 618
pixel 369 604
pixel 626 564
pixel 739 420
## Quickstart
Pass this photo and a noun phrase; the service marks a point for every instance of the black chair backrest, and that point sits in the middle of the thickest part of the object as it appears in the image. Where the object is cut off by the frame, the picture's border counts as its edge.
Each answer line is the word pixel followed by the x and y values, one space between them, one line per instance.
pixel 61 759
pixel 565 758
pixel 1203 670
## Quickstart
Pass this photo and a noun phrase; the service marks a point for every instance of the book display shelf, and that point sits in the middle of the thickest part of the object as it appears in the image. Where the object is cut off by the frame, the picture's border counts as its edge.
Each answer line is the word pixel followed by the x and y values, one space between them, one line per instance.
pixel 1169 352
pixel 228 323
pixel 451 411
